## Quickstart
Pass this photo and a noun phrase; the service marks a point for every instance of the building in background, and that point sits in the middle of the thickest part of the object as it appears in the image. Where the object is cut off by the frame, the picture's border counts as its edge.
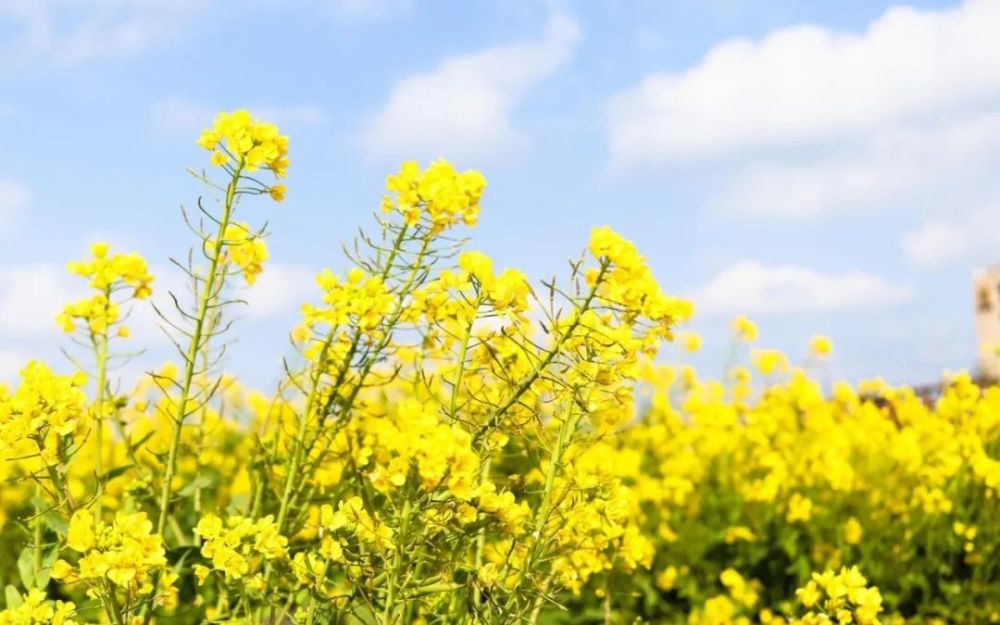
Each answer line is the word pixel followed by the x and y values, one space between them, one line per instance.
pixel 986 296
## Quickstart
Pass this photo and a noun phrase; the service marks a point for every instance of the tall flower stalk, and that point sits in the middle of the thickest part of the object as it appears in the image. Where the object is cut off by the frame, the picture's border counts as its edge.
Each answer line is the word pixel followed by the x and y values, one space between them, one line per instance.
pixel 240 145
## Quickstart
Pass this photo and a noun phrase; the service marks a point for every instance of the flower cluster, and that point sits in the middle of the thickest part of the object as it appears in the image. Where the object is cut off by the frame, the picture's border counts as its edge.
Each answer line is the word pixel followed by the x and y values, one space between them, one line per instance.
pixel 840 598
pixel 239 546
pixel 42 410
pixel 352 517
pixel 36 609
pixel 413 436
pixel 245 249
pixel 238 140
pixel 452 443
pixel 629 284
pixel 105 272
pixel 114 559
pixel 442 195
pixel 108 275
pixel 360 301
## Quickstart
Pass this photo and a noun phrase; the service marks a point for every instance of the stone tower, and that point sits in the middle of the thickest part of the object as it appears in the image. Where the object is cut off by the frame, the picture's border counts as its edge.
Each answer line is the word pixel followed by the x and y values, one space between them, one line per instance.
pixel 986 302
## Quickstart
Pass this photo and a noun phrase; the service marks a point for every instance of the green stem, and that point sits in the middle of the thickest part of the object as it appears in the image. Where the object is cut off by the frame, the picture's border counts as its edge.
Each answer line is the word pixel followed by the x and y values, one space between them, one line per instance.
pixel 36 560
pixel 388 614
pixel 311 613
pixel 298 448
pixel 192 353
pixel 373 357
pixel 194 346
pixel 100 342
pixel 484 476
pixel 298 451
pixel 116 611
pixel 462 352
pixel 213 323
pixel 566 431
pixel 523 387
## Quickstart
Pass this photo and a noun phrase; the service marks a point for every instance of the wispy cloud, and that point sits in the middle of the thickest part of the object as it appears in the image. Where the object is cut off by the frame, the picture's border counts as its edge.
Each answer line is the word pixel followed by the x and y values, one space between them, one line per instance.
pixel 808 121
pixel 66 33
pixel 882 169
pixel 757 288
pixel 177 114
pixel 280 289
pixel 32 295
pixel 11 361
pixel 464 107
pixel 807 83
pixel 966 235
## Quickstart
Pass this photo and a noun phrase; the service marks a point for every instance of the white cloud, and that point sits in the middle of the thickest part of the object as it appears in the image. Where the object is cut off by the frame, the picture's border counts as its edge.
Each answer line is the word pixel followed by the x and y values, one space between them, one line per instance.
pixel 66 33
pixel 280 289
pixel 463 108
pixel 31 296
pixel 10 363
pixel 966 235
pixel 755 288
pixel 808 84
pixel 887 165
pixel 935 242
pixel 179 115
pixel 14 197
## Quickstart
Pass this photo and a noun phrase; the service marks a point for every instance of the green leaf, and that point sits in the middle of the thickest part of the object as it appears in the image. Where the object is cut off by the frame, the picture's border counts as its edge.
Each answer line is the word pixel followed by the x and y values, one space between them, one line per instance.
pixel 362 616
pixel 12 597
pixel 137 444
pixel 179 566
pixel 238 503
pixel 26 567
pixel 55 522
pixel 202 481
pixel 48 559
pixel 115 472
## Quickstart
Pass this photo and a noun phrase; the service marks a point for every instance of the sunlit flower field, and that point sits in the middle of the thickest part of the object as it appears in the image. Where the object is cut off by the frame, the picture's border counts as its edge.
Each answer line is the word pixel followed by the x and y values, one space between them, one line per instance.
pixel 454 444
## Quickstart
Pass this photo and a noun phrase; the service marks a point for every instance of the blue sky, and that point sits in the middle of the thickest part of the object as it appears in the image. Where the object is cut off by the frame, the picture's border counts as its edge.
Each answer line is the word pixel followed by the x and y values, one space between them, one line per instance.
pixel 824 167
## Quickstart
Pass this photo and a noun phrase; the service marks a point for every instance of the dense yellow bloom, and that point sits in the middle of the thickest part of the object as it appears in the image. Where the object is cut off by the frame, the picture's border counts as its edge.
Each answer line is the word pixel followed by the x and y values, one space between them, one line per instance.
pixel 36 609
pixel 250 142
pixel 125 553
pixel 691 341
pixel 239 546
pixel 352 516
pixel 44 408
pixel 845 595
pixel 107 274
pixel 736 534
pixel 245 249
pixel 453 444
pixel 667 579
pixel 740 590
pixel 439 193
pixel 105 271
pixel 360 300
